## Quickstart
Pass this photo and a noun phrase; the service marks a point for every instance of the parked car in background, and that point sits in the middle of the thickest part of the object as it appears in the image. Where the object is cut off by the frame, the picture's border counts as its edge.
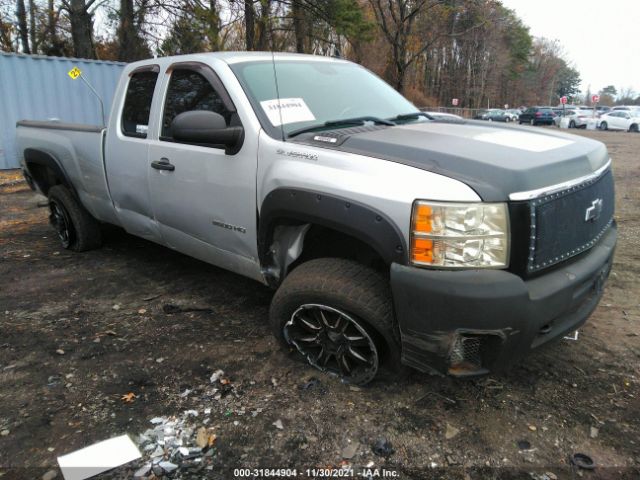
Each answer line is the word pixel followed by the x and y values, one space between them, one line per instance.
pixel 625 107
pixel 496 115
pixel 537 116
pixel 515 112
pixel 600 109
pixel 566 113
pixel 579 117
pixel 444 116
pixel 620 120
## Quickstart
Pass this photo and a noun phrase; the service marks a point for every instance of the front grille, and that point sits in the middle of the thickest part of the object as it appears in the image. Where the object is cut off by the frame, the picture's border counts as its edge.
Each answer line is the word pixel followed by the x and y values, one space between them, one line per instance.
pixel 569 222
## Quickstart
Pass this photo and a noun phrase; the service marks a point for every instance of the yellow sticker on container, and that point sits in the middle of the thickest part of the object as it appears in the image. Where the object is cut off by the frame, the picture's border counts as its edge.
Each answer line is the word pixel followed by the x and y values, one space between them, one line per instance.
pixel 74 73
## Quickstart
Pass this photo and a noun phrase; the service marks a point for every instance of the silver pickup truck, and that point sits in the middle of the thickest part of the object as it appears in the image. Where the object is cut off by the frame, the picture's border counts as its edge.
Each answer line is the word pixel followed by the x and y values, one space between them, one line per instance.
pixel 390 238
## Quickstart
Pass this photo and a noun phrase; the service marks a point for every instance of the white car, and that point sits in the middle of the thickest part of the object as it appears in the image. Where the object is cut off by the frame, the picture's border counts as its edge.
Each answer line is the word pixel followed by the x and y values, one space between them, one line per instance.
pixel 579 118
pixel 627 120
pixel 625 107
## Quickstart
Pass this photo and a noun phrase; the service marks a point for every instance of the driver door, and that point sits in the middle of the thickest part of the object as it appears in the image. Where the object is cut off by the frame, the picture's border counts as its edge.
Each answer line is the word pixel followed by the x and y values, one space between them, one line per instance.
pixel 203 198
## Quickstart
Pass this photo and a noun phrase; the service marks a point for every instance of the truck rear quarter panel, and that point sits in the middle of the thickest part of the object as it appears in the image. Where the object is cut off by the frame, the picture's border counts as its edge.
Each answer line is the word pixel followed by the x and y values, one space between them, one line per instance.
pixel 78 152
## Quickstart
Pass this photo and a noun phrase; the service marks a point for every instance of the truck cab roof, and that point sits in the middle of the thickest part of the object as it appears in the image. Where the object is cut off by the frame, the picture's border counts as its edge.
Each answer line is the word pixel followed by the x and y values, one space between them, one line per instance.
pixel 236 57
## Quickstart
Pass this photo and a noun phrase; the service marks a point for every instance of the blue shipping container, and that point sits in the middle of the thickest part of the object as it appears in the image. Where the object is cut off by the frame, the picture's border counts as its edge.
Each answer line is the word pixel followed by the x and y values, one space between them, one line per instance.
pixel 35 87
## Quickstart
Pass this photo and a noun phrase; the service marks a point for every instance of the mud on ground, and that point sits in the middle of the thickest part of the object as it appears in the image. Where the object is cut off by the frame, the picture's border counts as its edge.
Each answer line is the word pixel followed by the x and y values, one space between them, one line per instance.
pixel 79 331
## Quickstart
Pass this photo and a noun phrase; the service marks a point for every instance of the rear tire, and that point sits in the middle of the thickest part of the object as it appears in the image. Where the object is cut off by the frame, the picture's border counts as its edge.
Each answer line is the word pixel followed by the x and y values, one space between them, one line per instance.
pixel 76 228
pixel 634 128
pixel 338 315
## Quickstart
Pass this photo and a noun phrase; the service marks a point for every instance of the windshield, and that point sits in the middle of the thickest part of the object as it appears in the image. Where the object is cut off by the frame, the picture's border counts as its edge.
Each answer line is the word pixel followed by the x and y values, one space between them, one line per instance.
pixel 314 92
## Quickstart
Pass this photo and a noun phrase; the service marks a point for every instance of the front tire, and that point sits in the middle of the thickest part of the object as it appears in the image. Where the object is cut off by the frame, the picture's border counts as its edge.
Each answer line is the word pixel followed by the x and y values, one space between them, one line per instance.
pixel 634 128
pixel 76 228
pixel 338 315
pixel 603 126
pixel 572 124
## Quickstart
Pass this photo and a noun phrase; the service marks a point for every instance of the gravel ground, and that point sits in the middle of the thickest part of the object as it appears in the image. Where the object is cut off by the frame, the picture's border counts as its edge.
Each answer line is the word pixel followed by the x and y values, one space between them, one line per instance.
pixel 98 344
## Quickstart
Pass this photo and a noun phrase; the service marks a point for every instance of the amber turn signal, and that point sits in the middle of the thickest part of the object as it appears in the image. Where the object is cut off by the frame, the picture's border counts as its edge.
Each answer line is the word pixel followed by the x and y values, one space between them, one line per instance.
pixel 422 250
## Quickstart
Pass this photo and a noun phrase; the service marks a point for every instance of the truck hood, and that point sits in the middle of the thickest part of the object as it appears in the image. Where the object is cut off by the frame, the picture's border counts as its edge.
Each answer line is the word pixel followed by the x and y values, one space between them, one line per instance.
pixel 493 160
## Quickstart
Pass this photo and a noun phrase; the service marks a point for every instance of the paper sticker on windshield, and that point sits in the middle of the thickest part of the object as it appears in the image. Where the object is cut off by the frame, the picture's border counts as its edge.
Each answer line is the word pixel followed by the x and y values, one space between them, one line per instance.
pixel 287 110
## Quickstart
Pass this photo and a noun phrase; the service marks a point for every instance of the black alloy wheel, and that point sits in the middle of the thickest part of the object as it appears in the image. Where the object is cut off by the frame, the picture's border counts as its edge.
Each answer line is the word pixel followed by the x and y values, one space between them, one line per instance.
pixel 333 341
pixel 60 221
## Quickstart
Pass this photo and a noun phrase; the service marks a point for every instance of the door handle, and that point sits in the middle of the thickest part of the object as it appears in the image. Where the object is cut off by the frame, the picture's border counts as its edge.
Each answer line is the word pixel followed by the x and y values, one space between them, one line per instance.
pixel 163 164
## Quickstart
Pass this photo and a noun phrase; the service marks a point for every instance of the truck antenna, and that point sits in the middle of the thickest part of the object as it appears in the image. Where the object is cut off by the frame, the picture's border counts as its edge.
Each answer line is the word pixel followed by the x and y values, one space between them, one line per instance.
pixel 97 96
pixel 275 76
pixel 76 73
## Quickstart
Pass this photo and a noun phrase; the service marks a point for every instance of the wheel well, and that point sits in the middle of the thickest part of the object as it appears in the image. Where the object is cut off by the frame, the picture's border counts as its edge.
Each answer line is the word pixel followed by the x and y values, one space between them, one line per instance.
pixel 293 243
pixel 323 242
pixel 44 177
pixel 45 171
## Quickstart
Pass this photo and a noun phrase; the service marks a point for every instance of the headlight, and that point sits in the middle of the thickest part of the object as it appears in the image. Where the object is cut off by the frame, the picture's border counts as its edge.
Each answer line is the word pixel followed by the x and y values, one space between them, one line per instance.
pixel 460 235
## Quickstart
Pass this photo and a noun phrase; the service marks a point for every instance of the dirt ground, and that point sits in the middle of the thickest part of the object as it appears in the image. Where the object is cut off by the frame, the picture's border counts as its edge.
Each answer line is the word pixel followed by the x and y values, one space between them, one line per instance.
pixel 79 331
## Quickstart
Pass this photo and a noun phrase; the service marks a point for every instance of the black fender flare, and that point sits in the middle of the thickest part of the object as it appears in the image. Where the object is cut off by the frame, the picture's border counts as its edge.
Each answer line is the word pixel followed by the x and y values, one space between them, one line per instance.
pixel 38 157
pixel 341 214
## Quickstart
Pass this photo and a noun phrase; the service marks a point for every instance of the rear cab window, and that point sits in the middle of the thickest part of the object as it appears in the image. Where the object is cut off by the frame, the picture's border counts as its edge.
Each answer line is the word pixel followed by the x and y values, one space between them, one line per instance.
pixel 137 102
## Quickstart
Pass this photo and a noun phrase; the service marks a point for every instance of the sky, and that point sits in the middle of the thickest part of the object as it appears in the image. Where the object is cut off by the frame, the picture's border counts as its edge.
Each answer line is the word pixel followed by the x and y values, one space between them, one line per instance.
pixel 600 38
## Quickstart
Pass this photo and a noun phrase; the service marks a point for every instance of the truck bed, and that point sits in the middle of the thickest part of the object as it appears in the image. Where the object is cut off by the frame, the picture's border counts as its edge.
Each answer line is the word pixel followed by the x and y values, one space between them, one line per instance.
pixel 78 151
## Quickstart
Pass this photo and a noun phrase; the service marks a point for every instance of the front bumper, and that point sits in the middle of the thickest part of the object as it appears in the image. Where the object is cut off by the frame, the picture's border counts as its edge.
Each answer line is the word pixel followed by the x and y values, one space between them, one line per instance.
pixel 473 321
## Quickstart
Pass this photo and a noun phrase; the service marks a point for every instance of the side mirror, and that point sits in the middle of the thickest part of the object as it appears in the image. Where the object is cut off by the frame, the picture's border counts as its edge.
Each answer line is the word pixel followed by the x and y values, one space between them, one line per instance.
pixel 208 128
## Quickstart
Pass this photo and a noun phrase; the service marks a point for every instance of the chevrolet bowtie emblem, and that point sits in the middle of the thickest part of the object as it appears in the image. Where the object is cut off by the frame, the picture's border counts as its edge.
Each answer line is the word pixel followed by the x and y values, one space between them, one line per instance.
pixel 592 213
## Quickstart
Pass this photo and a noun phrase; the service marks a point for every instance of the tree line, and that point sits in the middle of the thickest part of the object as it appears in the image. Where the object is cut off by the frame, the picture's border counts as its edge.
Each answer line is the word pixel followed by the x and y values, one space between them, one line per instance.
pixel 431 50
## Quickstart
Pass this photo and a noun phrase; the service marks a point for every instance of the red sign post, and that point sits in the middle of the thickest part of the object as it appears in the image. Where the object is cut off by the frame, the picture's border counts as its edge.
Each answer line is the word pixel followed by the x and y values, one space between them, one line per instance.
pixel 454 102
pixel 595 98
pixel 563 100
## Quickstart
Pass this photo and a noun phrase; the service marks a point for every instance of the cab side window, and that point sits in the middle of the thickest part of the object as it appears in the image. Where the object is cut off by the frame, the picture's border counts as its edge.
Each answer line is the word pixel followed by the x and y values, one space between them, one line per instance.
pixel 137 104
pixel 189 90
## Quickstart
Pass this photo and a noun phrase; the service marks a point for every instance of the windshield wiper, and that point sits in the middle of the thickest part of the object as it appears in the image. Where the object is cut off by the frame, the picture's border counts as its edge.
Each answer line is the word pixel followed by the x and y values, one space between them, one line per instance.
pixel 411 116
pixel 342 123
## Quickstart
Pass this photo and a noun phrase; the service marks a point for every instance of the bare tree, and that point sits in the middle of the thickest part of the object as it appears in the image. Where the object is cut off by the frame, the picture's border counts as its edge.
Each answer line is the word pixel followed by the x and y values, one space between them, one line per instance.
pixel 23 29
pixel 6 36
pixel 249 24
pixel 396 19
pixel 80 15
pixel 32 26
pixel 131 46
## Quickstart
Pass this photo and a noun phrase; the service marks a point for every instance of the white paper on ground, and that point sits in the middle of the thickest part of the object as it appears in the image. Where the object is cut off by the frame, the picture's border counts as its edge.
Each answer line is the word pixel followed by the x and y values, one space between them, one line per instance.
pixel 293 110
pixel 98 458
